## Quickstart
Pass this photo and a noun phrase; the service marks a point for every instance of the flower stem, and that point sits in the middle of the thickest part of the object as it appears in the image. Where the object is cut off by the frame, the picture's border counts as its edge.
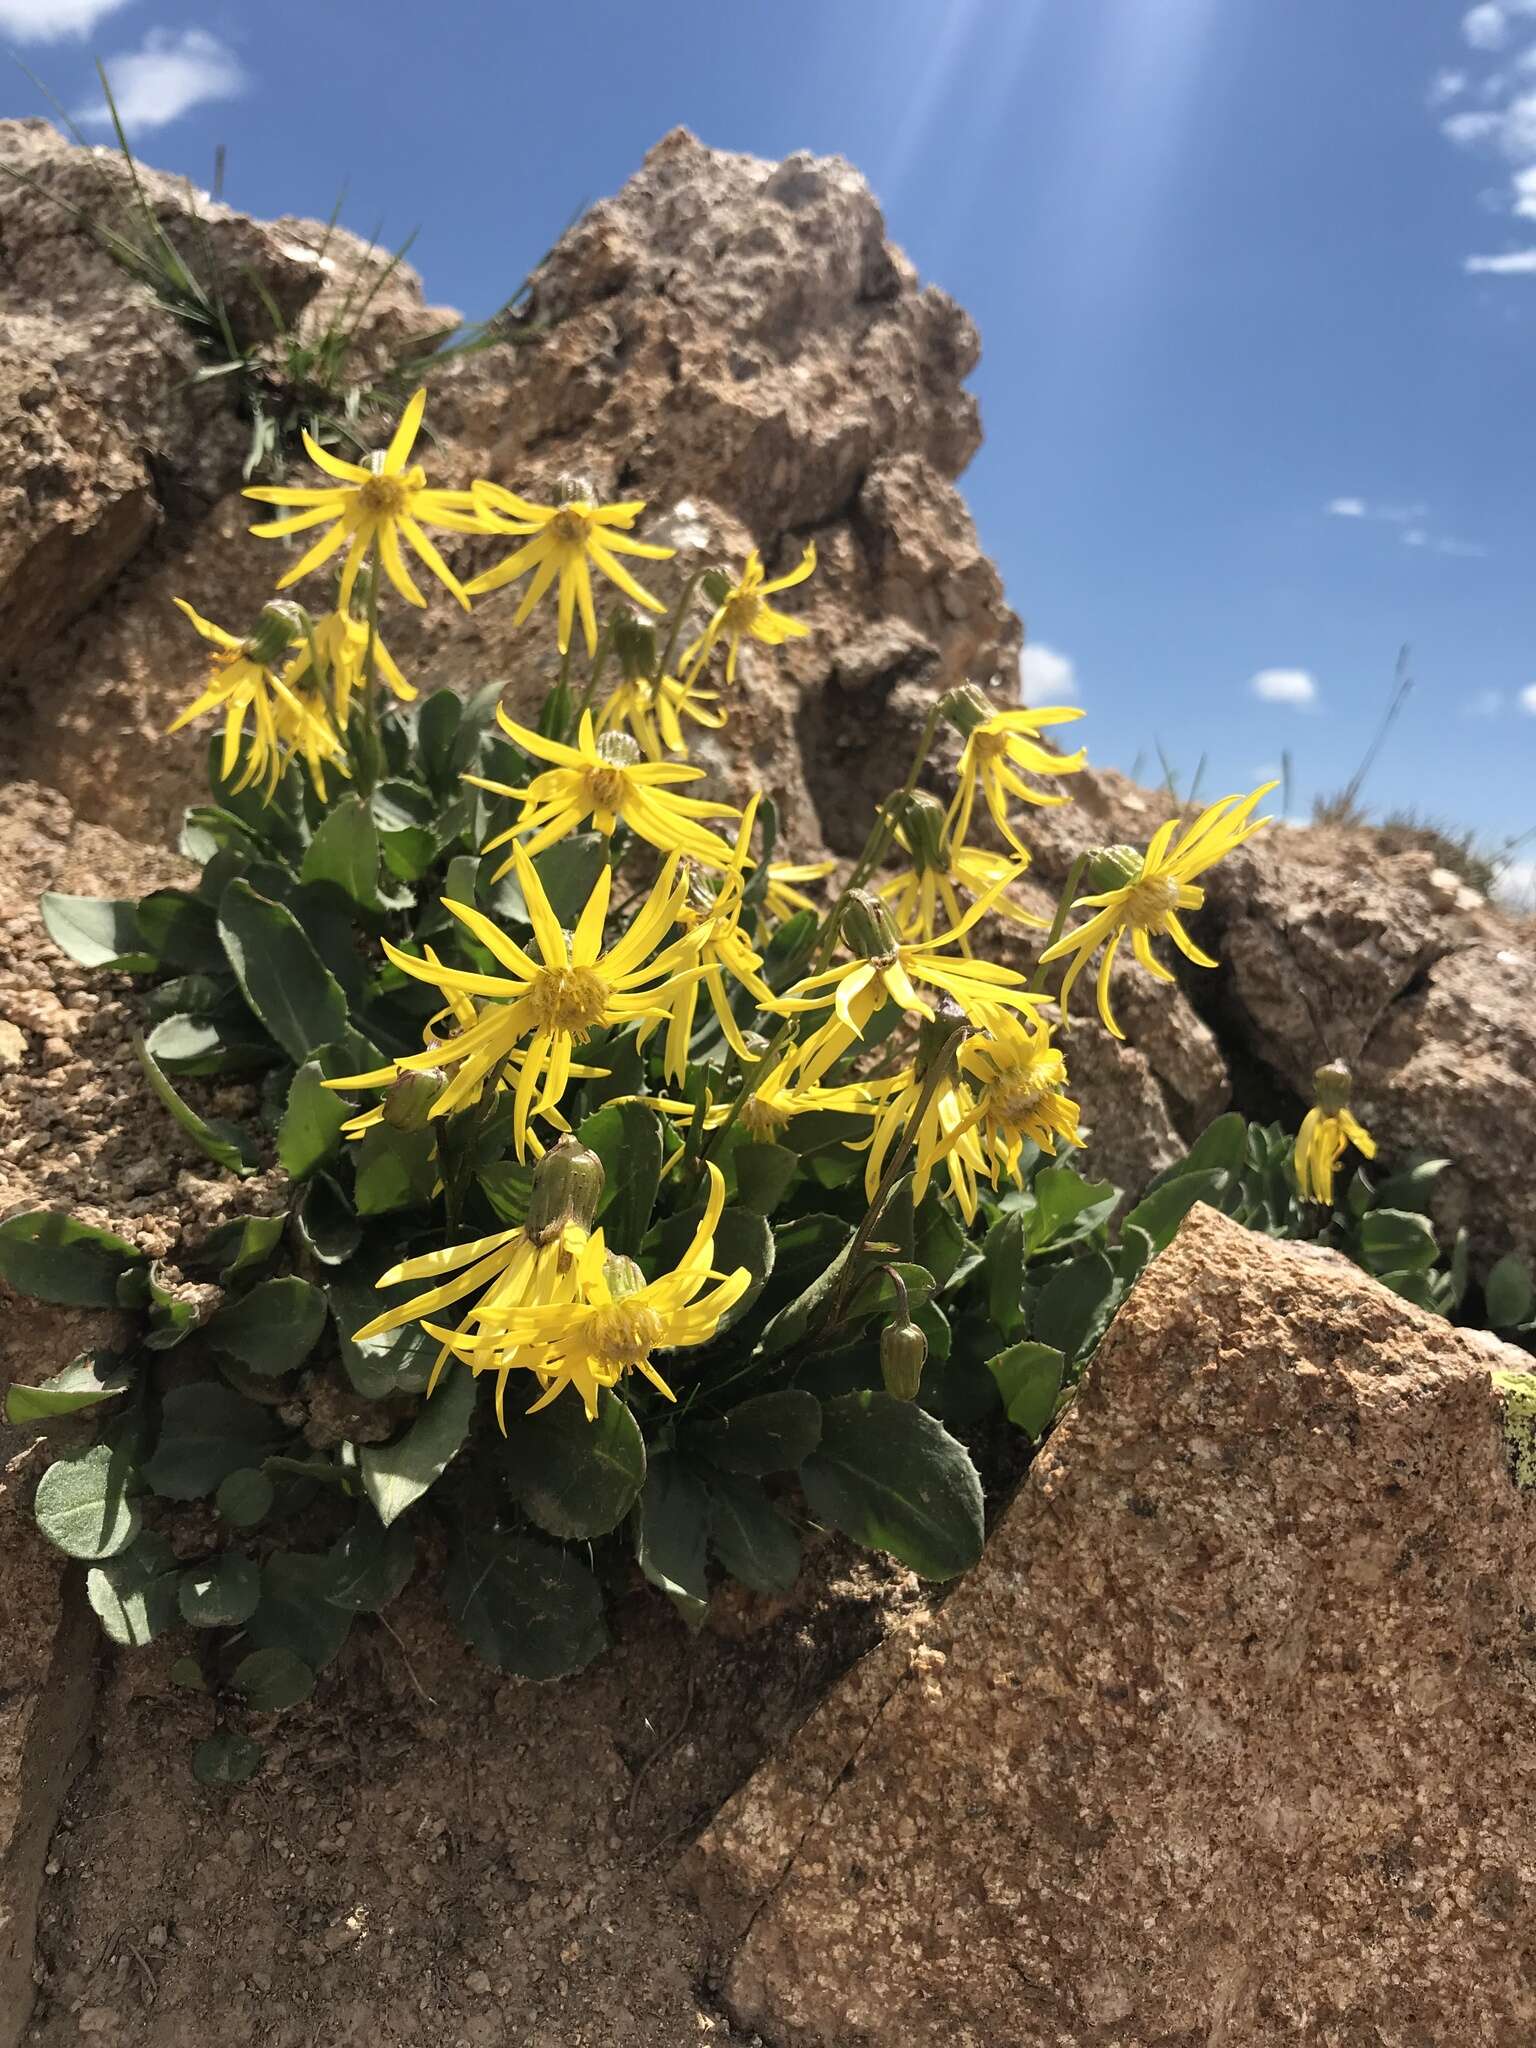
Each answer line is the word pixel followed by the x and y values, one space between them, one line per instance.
pixel 599 663
pixel 1064 904
pixel 679 613
pixel 372 744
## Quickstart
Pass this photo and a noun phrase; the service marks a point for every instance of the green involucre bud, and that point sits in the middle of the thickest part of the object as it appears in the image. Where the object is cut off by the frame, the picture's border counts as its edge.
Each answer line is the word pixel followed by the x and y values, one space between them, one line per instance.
pixel 936 1036
pixel 921 818
pixel 966 708
pixel 624 1277
pixel 567 1188
pixel 619 748
pixel 280 624
pixel 1113 867
pixel 408 1104
pixel 716 585
pixel 903 1354
pixel 572 487
pixel 1333 1084
pixel 634 643
pixel 868 926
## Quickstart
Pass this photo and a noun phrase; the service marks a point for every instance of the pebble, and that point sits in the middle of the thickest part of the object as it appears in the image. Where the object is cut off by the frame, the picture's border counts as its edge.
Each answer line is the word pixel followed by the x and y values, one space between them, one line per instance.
pixel 478 1982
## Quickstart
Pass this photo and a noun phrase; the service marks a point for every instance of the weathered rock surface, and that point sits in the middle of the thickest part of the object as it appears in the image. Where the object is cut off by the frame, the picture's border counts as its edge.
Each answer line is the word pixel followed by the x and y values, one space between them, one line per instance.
pixel 1224 1741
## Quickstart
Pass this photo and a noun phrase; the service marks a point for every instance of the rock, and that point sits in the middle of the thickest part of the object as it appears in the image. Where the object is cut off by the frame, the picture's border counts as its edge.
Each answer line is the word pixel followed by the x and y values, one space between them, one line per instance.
pixel 1223 1741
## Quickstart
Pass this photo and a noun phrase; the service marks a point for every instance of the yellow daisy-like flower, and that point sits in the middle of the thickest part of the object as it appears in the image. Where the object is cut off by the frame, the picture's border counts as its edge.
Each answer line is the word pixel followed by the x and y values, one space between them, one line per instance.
pixel 744 613
pixel 783 898
pixel 371 506
pixel 553 1002
pixel 1019 1079
pixel 946 1136
pixel 303 722
pixel 622 1318
pixel 914 975
pixel 997 745
pixel 567 541
pixel 654 712
pixel 604 780
pixel 778 1097
pixel 338 642
pixel 1326 1134
pixel 1149 892
pixel 940 869
pixel 244 679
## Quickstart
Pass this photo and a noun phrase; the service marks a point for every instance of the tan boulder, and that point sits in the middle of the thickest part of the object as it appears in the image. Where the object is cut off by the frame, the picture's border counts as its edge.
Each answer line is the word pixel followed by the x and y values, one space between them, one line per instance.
pixel 1225 1739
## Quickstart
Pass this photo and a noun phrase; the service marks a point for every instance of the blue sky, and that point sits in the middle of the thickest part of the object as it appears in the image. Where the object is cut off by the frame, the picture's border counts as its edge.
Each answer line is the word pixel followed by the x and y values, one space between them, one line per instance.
pixel 1234 262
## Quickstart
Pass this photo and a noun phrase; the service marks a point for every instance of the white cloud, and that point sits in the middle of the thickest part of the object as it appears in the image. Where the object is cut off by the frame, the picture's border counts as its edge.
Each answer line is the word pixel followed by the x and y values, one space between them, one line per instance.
pixel 1285 686
pixel 1446 85
pixel 1346 508
pixel 1415 537
pixel 173 72
pixel 1469 128
pixel 1485 27
pixel 1528 699
pixel 1046 677
pixel 49 21
pixel 1524 183
pixel 1517 263
pixel 1484 704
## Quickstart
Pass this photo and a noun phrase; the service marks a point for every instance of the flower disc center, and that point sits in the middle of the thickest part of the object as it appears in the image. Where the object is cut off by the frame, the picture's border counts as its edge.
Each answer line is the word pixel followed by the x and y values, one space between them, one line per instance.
pixel 573 999
pixel 1149 901
pixel 384 497
pixel 622 1335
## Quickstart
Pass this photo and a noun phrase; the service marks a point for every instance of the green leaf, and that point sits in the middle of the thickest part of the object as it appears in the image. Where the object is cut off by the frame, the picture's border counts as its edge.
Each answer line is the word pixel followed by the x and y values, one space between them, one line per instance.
pixel 437 731
pixel 742 1238
pixel 328 1226
pixel 134 1594
pixel 296 1611
pixel 528 1608
pixel 310 1132
pixel 892 1478
pixel 241 1246
pixel 939 1239
pixel 1067 1207
pixel 393 1169
pixel 1076 1303
pixel 82 1505
pixel 225 1143
pixel 1221 1147
pixel 215 1044
pixel 53 1258
pixel 370 1564
pixel 206 829
pixel 182 930
pixel 671 1526
pixel 569 870
pixel 1397 1241
pixel 768 1433
pixel 753 1541
pixel 396 1475
pixel 575 1478
pixel 1003 1256
pixel 808 1239
pixel 273 1680
pixel 763 1175
pixel 280 974
pixel 1160 1213
pixel 876 1293
pixel 92 1377
pixel 245 1497
pixel 1413 1188
pixel 97 932
pixel 344 854
pixel 207 1431
pixel 1507 1294
pixel 226 1759
pixel 626 1136
pixel 398 1362
pixel 222 1593
pixel 1029 1378
pixel 406 817
pixel 273 1328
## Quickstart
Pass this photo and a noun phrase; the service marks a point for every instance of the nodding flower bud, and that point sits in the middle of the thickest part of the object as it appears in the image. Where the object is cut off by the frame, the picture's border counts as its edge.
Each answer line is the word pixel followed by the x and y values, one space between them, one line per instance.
pixel 567 1187
pixel 571 487
pixel 716 585
pixel 966 707
pixel 624 1277
pixel 1113 867
pixel 1333 1084
pixel 634 643
pixel 280 624
pixel 921 818
pixel 619 749
pixel 408 1104
pixel 903 1354
pixel 868 926
pixel 936 1036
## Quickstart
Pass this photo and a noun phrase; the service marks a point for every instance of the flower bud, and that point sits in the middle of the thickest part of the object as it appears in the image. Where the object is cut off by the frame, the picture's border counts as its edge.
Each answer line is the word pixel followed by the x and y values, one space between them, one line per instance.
pixel 921 818
pixel 571 487
pixel 966 707
pixel 624 1277
pixel 903 1354
pixel 935 1036
pixel 868 926
pixel 1333 1084
pixel 280 624
pixel 1113 867
pixel 716 585
pixel 618 748
pixel 634 643
pixel 567 1188
pixel 408 1104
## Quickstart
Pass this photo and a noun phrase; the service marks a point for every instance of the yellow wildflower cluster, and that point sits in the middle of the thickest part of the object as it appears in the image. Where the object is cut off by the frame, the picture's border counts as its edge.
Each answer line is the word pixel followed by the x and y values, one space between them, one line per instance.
pixel 963 1080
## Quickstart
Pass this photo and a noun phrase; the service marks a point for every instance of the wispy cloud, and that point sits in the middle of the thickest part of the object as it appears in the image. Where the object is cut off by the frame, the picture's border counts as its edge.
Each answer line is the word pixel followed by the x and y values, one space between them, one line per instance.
pixel 1528 699
pixel 1346 508
pixel 173 71
pixel 1513 263
pixel 1503 122
pixel 1293 686
pixel 1486 27
pixel 1446 86
pixel 1409 519
pixel 1047 676
pixel 50 21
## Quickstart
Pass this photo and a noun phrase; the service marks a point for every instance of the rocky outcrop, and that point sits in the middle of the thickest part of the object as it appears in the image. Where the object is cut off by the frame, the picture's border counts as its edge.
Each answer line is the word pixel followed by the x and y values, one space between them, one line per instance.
pixel 1225 1738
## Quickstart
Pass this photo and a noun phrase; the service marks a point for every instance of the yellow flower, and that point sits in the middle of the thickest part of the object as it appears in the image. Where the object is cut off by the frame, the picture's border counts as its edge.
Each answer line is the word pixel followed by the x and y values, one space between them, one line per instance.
pixel 744 613
pixel 997 745
pixel 1019 1078
pixel 777 1098
pixel 244 679
pixel 303 722
pixel 621 1319
pixel 946 1135
pixel 339 642
pixel 1326 1134
pixel 568 541
pixel 654 714
pixel 1151 889
pixel 782 898
pixel 554 1002
pixel 940 869
pixel 368 506
pixel 604 780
